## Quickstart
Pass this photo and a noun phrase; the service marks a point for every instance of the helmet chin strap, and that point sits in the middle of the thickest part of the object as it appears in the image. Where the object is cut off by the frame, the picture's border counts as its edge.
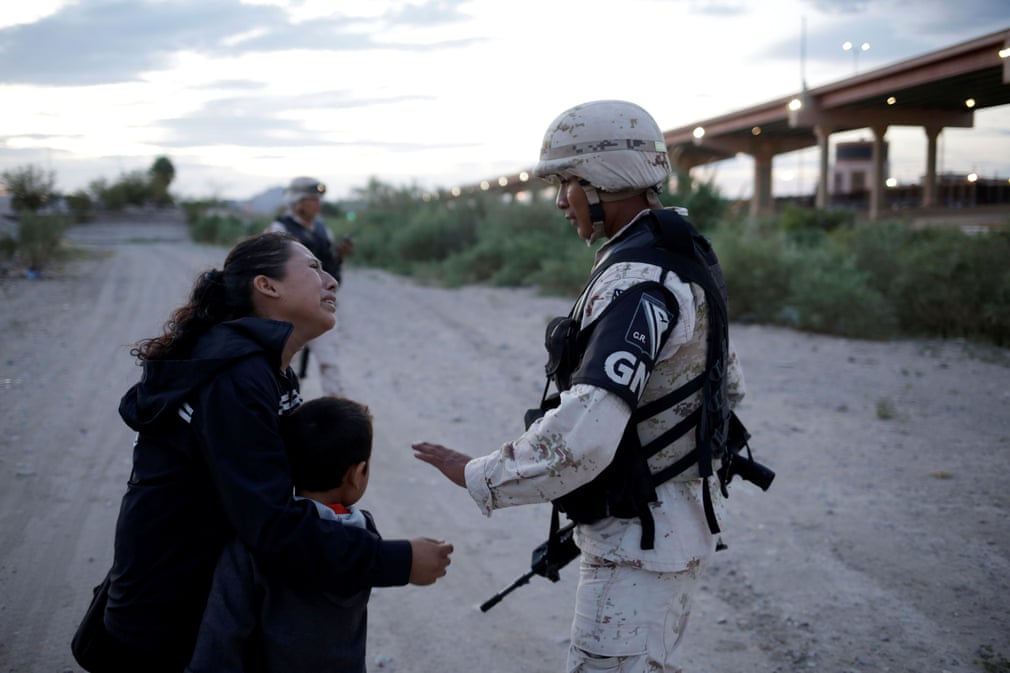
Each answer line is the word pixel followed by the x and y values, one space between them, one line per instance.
pixel 595 212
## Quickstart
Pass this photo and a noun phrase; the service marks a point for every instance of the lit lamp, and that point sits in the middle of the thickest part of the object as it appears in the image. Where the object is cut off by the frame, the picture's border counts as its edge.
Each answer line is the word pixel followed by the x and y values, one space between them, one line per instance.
pixel 850 46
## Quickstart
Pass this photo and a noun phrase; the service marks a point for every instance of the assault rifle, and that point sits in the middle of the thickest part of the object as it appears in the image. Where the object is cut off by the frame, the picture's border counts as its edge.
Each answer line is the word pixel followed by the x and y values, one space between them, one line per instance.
pixel 547 560
pixel 743 466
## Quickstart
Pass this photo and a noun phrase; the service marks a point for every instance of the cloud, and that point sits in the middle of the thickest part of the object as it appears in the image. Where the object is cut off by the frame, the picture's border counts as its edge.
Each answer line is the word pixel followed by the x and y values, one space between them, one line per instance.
pixel 923 26
pixel 719 8
pixel 942 18
pixel 268 122
pixel 230 85
pixel 113 41
pixel 432 13
pixel 937 18
pixel 110 41
pixel 839 6
pixel 257 131
pixel 43 137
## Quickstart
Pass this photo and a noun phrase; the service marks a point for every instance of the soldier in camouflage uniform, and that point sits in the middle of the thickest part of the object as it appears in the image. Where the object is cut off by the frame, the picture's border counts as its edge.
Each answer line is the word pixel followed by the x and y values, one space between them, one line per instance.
pixel 609 160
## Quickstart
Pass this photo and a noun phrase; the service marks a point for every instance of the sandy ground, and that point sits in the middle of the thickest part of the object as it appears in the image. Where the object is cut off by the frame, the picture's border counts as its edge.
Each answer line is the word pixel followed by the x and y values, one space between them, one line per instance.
pixel 884 544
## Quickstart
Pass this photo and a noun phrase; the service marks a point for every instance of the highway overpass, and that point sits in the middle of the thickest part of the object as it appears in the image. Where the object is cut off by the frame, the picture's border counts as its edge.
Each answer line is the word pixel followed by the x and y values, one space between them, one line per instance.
pixel 934 91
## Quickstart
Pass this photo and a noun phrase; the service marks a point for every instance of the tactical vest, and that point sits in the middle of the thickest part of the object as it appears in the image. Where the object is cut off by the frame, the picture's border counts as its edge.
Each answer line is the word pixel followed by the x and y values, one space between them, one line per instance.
pixel 316 240
pixel 626 487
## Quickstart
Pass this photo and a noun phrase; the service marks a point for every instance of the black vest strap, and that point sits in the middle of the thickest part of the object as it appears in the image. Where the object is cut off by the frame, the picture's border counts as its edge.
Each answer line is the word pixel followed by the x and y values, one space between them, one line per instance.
pixel 706 500
pixel 672 435
pixel 663 403
pixel 675 468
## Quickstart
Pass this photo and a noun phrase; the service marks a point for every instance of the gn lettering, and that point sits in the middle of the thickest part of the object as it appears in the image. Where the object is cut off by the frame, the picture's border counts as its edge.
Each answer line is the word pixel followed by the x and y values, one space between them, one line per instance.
pixel 624 368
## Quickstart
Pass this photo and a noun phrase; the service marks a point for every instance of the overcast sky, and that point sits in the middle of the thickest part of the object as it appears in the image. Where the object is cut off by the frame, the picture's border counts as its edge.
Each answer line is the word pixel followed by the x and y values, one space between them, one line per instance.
pixel 243 95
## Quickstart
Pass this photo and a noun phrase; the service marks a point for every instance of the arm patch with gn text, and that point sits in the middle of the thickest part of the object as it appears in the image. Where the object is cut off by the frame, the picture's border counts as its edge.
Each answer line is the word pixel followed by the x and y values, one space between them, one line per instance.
pixel 620 348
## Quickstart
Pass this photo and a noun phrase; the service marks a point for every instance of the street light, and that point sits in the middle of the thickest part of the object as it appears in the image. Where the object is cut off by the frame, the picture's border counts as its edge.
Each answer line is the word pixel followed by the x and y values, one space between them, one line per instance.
pixel 850 46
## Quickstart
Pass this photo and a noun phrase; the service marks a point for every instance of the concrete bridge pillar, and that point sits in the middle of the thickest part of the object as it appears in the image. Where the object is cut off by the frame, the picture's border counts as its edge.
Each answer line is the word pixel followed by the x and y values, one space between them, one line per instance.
pixel 762 202
pixel 822 172
pixel 929 182
pixel 877 172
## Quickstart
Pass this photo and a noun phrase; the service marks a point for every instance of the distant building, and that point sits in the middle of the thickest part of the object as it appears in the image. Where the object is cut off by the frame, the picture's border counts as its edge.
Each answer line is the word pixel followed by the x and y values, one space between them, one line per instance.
pixel 854 167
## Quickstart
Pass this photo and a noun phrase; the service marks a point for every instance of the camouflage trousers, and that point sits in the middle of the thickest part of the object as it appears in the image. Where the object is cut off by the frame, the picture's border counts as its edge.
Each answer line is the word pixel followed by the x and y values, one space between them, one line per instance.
pixel 630 620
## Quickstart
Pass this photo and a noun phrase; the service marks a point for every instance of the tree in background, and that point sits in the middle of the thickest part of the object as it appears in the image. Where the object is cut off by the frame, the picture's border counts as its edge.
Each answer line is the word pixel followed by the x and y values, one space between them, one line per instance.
pixel 96 190
pixel 162 172
pixel 131 189
pixel 38 236
pixel 30 187
pixel 82 208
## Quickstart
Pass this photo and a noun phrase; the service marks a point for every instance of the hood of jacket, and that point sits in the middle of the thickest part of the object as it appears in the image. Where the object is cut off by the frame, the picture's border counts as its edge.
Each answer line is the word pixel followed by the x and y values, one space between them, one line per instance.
pixel 166 384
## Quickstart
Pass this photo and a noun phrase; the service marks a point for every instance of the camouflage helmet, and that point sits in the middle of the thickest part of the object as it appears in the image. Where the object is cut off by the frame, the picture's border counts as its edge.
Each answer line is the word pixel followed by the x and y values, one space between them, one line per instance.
pixel 613 145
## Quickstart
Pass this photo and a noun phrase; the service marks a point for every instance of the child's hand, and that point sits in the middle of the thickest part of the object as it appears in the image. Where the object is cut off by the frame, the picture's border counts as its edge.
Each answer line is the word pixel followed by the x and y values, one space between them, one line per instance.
pixel 430 559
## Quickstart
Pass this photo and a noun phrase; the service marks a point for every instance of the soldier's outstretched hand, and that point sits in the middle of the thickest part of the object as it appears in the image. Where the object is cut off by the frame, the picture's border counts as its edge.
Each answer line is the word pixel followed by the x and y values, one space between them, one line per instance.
pixel 450 463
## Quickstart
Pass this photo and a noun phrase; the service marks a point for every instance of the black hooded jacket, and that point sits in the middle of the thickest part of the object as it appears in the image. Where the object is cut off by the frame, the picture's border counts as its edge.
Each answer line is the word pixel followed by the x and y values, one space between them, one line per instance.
pixel 208 465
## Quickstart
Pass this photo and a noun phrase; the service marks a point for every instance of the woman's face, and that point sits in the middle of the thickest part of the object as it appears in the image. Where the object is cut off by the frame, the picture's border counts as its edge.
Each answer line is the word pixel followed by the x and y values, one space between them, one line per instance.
pixel 307 294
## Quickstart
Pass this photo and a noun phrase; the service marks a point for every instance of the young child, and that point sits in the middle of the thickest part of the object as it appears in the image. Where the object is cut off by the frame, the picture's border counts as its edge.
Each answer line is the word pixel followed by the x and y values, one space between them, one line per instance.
pixel 255 624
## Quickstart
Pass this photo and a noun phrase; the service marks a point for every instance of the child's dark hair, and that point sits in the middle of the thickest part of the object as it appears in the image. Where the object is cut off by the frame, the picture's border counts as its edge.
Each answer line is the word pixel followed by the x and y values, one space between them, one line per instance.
pixel 219 295
pixel 324 437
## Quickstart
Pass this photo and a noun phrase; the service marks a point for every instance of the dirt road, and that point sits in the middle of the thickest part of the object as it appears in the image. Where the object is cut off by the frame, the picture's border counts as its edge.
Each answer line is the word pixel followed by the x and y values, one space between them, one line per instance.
pixel 884 544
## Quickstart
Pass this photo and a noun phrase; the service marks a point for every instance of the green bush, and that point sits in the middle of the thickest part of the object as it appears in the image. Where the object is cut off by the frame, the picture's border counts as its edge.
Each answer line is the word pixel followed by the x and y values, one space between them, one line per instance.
pixel 30 187
pixel 8 246
pixel 705 205
pixel 795 218
pixel 39 238
pixel 950 284
pixel 830 294
pixel 809 269
pixel 433 234
pixel 876 247
pixel 527 244
pixel 994 317
pixel 194 210
pixel 564 274
pixel 380 212
pixel 988 256
pixel 759 272
pixel 932 284
pixel 219 229
pixel 474 239
pixel 82 208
